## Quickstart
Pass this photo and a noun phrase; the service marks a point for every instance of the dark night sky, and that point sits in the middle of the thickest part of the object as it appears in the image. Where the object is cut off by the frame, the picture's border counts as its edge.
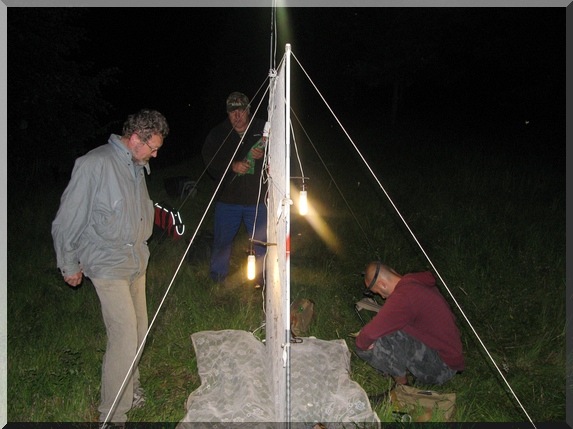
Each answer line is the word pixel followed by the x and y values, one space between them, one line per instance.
pixel 185 61
pixel 488 64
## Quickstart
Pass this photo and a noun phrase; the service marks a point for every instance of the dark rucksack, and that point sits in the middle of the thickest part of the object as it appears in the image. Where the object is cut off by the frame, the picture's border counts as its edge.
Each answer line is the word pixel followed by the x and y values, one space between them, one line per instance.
pixel 180 186
pixel 200 250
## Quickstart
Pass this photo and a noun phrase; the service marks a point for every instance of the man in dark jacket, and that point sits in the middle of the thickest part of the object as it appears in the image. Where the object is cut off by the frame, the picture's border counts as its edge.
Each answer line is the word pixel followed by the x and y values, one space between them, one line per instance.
pixel 234 152
pixel 415 329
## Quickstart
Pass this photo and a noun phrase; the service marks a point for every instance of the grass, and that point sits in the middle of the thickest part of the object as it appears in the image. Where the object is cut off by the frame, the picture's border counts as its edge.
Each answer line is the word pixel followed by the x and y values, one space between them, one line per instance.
pixel 494 227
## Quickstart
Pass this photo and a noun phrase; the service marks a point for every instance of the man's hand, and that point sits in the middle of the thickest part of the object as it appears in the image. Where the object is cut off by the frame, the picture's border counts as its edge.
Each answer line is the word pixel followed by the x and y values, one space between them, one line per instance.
pixel 74 280
pixel 257 153
pixel 240 167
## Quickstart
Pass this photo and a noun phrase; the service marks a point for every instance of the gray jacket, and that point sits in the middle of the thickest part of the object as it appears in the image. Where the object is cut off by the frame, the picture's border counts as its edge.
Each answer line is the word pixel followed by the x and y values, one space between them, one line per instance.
pixel 105 216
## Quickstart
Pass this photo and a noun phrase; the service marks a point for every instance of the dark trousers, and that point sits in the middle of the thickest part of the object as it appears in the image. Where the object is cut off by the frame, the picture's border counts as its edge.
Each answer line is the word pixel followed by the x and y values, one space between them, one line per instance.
pixel 394 353
pixel 228 218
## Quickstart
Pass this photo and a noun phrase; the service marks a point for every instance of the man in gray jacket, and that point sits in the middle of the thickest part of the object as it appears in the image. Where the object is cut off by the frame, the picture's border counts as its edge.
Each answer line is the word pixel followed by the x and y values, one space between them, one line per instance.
pixel 101 231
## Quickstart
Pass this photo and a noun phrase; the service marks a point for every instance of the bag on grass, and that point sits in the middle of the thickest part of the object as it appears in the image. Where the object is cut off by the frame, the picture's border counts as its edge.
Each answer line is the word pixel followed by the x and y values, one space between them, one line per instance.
pixel 301 315
pixel 180 186
pixel 168 221
pixel 200 250
pixel 423 405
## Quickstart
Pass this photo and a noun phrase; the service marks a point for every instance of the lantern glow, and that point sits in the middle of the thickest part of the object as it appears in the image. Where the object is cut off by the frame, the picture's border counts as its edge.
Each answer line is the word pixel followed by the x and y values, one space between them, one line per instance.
pixel 251 267
pixel 303 203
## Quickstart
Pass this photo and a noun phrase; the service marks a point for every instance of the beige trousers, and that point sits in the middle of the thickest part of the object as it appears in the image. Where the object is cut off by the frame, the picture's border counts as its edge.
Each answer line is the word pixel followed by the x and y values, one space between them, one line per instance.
pixel 124 310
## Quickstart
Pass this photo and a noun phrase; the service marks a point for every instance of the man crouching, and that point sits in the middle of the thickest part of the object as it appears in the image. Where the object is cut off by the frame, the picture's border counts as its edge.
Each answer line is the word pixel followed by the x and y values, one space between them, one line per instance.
pixel 415 329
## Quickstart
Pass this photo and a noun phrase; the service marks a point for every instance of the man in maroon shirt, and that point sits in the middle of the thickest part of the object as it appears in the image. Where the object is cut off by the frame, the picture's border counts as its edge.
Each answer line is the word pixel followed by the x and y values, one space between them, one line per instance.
pixel 415 329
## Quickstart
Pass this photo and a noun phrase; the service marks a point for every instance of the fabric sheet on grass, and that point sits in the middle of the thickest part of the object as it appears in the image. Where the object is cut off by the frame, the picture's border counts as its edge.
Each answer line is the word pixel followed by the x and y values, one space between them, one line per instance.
pixel 235 393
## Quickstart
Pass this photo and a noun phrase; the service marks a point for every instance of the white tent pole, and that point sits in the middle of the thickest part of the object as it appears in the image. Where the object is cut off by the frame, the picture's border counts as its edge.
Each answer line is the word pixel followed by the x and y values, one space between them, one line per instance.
pixel 286 310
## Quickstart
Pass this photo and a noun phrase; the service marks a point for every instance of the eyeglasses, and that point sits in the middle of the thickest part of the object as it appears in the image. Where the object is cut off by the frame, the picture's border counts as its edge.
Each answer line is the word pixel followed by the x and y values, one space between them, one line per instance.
pixel 153 149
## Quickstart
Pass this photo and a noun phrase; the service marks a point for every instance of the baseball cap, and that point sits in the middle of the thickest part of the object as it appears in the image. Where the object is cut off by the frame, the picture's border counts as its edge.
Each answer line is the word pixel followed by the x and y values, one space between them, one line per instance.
pixel 236 101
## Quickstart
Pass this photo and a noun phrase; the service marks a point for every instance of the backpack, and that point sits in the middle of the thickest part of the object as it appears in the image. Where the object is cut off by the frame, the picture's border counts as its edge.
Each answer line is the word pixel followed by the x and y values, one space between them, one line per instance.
pixel 180 186
pixel 168 221
pixel 422 405
pixel 301 315
pixel 200 250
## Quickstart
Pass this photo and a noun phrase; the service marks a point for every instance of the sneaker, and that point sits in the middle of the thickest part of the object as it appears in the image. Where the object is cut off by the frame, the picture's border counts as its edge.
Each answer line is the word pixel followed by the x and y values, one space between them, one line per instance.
pixel 138 398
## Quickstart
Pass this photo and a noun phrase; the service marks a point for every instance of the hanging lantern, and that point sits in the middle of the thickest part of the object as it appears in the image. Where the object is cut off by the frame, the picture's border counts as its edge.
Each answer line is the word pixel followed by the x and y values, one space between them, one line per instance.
pixel 303 202
pixel 251 266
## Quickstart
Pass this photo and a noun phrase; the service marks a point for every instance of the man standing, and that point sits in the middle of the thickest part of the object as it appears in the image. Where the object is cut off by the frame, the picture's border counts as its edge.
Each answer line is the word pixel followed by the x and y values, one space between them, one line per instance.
pixel 414 330
pixel 101 231
pixel 242 194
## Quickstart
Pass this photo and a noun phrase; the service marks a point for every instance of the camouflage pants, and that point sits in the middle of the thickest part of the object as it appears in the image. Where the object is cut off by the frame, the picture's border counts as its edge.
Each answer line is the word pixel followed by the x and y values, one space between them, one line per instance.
pixel 394 353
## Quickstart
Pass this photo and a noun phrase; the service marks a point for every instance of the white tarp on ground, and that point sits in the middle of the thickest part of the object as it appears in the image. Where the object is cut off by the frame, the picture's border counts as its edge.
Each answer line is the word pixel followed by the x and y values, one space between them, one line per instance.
pixel 234 391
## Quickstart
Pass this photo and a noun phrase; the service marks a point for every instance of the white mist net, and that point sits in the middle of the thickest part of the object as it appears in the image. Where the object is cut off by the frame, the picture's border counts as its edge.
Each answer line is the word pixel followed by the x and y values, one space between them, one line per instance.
pixel 235 391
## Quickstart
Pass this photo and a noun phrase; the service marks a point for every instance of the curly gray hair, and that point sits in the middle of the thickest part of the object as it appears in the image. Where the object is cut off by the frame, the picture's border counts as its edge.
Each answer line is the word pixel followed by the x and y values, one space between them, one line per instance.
pixel 145 124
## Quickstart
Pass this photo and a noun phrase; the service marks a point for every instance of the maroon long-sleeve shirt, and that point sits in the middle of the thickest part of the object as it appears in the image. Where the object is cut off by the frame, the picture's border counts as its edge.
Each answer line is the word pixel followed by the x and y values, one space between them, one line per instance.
pixel 417 307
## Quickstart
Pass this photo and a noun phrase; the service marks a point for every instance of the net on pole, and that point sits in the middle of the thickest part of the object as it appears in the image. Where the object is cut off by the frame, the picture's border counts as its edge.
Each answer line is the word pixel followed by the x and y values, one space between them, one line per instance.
pixel 277 261
pixel 246 383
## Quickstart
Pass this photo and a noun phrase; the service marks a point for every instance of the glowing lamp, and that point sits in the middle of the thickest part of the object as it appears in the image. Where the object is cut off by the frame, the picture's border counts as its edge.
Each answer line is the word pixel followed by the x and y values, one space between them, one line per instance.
pixel 251 267
pixel 303 203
